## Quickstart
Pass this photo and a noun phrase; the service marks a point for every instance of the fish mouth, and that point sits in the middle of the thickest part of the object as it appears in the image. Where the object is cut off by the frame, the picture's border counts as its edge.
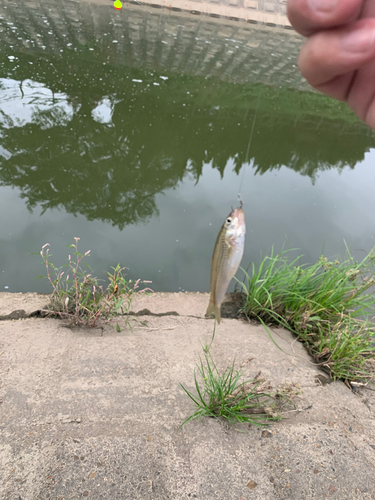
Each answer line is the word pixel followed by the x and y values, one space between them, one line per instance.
pixel 238 215
pixel 237 227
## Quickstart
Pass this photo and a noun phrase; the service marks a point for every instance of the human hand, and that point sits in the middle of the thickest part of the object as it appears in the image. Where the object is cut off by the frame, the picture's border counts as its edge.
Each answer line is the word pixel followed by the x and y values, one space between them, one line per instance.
pixel 339 55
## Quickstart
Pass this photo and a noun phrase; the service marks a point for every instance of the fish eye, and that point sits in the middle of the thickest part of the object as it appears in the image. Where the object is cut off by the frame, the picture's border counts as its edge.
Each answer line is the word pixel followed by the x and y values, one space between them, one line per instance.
pixel 229 220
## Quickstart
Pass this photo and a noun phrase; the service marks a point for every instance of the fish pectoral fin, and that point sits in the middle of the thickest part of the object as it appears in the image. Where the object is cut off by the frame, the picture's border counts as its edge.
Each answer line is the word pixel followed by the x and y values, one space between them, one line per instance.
pixel 213 309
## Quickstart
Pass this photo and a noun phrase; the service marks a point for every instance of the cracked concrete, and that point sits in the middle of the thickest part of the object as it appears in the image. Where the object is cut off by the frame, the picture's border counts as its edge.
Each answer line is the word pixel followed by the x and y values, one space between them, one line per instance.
pixel 92 414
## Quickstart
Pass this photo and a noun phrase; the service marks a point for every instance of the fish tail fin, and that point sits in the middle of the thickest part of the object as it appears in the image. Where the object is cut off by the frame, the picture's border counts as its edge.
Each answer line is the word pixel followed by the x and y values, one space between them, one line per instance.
pixel 214 309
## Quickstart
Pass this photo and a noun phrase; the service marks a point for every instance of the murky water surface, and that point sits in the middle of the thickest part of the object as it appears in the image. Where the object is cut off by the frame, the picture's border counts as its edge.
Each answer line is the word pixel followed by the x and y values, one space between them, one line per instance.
pixel 137 141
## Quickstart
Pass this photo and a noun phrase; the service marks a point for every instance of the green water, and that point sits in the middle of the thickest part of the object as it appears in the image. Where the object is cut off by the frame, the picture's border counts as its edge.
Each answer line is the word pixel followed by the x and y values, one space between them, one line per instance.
pixel 144 164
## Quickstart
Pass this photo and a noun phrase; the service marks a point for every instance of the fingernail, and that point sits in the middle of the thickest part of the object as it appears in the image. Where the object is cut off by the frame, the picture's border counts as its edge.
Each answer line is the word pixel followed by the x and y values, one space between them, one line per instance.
pixel 359 40
pixel 322 5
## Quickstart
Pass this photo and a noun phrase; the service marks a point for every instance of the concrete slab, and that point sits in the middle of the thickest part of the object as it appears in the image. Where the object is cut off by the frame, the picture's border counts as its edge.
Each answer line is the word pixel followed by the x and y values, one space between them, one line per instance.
pixel 268 12
pixel 92 414
pixel 21 305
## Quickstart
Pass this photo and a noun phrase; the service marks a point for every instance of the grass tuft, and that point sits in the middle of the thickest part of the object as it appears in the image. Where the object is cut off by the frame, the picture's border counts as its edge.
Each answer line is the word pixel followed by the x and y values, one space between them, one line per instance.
pixel 77 295
pixel 227 396
pixel 328 305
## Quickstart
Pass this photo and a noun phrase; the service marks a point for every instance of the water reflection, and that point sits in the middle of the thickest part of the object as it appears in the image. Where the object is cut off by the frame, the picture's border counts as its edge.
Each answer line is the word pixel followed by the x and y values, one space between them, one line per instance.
pixel 98 137
pixel 106 154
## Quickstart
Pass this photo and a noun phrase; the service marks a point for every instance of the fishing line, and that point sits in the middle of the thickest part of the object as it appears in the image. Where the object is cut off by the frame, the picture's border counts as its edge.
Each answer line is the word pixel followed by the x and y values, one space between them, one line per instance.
pixel 247 152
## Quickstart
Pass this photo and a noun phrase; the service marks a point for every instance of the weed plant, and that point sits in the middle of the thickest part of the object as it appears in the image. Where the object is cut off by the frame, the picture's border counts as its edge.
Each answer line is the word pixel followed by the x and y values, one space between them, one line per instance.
pixel 328 305
pixel 229 397
pixel 77 295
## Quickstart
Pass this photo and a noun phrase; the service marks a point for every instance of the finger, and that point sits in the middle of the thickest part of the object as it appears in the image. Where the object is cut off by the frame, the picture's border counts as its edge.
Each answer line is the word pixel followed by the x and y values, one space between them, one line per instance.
pixel 338 87
pixel 368 9
pixel 309 16
pixel 359 93
pixel 361 97
pixel 332 53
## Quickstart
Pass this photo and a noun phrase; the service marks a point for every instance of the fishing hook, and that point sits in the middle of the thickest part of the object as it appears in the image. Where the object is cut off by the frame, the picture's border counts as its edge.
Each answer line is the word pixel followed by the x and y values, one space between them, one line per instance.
pixel 240 200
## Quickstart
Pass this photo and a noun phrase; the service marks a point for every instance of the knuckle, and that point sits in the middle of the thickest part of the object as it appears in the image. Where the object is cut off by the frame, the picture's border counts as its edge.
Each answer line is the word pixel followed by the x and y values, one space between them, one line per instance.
pixel 312 59
pixel 300 16
pixel 306 61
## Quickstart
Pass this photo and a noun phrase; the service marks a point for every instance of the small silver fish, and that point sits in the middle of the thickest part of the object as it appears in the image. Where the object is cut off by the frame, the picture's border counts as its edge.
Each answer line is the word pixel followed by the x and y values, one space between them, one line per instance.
pixel 226 258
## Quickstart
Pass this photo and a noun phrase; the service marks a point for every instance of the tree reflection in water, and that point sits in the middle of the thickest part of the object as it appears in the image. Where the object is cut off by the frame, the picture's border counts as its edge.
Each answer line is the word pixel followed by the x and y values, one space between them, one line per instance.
pixel 104 143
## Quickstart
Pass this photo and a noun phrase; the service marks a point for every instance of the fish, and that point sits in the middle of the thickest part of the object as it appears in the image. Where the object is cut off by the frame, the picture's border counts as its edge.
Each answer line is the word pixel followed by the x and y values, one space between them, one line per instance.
pixel 226 258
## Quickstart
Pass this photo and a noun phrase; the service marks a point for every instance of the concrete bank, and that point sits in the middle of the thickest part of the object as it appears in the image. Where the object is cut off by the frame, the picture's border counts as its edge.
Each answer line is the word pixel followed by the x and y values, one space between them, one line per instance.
pixel 92 414
pixel 272 12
